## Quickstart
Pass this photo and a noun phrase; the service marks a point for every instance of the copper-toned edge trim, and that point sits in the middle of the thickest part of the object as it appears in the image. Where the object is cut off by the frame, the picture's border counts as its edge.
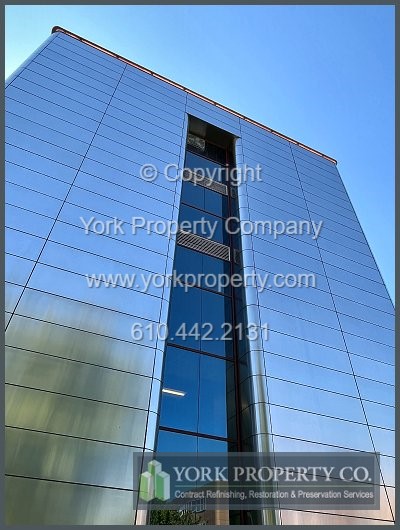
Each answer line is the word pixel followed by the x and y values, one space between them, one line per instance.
pixel 191 92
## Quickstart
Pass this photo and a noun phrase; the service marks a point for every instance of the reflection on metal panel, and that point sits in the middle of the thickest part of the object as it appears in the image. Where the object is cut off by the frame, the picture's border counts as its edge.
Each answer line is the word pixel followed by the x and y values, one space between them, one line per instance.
pixel 45 503
pixel 91 348
pixel 53 374
pixel 83 418
pixel 66 459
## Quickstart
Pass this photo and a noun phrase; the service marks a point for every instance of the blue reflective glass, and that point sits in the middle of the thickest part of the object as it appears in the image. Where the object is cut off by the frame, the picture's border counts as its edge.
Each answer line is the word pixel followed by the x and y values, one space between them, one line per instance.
pixel 214 384
pixel 203 224
pixel 195 392
pixel 206 269
pixel 194 161
pixel 207 326
pixel 180 395
pixel 172 442
pixel 208 445
pixel 216 319
pixel 215 267
pixel 205 199
pixel 192 195
pixel 215 203
pixel 181 321
pixel 187 261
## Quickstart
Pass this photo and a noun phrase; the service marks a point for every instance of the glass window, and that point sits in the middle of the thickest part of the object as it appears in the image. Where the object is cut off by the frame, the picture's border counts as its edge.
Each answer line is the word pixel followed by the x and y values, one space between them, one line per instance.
pixel 172 442
pixel 203 224
pixel 213 395
pixel 192 195
pixel 181 321
pixel 215 267
pixel 216 203
pixel 207 326
pixel 208 200
pixel 208 445
pixel 213 169
pixel 216 324
pixel 195 392
pixel 189 261
pixel 180 395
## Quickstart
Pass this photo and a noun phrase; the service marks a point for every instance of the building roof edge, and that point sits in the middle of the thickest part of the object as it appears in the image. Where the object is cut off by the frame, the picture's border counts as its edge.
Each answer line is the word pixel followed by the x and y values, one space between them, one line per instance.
pixel 192 92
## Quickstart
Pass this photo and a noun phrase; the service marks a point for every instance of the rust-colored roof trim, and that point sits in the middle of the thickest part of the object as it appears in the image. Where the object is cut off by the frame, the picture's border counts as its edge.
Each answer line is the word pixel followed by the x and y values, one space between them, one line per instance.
pixel 189 91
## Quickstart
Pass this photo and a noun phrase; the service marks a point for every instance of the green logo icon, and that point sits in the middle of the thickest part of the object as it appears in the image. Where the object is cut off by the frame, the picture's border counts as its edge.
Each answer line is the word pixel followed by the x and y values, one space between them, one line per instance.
pixel 154 483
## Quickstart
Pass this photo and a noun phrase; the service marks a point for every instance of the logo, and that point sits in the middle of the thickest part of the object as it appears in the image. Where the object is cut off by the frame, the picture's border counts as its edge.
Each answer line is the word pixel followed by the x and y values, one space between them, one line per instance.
pixel 154 483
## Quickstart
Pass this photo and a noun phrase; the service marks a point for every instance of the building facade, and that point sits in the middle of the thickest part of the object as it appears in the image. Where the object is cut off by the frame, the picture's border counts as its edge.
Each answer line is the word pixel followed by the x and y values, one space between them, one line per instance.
pixel 89 382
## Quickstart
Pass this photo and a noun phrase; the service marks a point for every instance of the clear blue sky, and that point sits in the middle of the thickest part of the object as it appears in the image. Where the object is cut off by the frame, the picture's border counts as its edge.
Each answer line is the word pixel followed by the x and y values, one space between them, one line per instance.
pixel 321 74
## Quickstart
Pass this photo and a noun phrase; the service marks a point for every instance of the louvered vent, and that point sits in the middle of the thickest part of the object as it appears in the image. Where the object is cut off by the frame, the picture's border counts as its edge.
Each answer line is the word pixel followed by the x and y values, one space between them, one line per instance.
pixel 202 244
pixel 205 182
